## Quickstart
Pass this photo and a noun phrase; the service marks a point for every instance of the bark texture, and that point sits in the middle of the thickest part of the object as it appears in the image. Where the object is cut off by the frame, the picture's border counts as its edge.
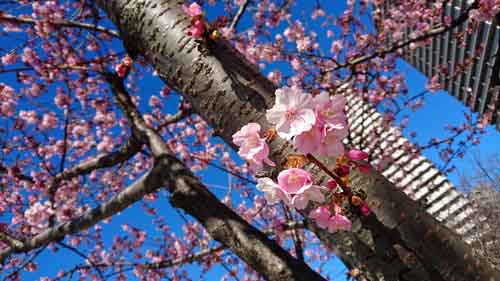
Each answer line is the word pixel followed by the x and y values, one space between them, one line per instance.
pixel 399 242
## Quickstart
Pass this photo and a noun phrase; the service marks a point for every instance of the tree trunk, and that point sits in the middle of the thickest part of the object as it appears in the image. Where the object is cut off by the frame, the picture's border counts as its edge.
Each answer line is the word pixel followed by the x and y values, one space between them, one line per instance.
pixel 399 242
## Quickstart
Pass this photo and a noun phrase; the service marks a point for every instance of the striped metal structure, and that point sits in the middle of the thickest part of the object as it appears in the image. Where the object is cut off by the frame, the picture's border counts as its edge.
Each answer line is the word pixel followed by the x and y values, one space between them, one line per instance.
pixel 478 85
pixel 415 175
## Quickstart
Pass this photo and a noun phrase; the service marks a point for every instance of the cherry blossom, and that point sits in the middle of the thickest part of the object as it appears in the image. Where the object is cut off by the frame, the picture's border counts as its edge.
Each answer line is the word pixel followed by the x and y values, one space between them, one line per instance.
pixel 339 222
pixel 321 215
pixel 37 215
pixel 331 142
pixel 433 84
pixel 313 193
pixel 330 110
pixel 309 141
pixel 365 209
pixel 294 180
pixel 292 113
pixel 196 29
pixel 355 154
pixel 9 58
pixel 272 191
pixel 193 10
pixel 253 148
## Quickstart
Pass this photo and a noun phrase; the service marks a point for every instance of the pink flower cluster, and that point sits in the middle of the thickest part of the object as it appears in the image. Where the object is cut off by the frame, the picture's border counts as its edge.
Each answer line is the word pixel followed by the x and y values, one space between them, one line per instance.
pixel 316 124
pixel 253 148
pixel 324 219
pixel 197 27
pixel 124 66
pixel 295 188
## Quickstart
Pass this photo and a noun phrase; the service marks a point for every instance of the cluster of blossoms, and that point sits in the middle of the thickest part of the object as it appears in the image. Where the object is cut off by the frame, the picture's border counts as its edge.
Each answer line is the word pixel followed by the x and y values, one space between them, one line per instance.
pixel 124 66
pixel 253 148
pixel 197 28
pixel 315 125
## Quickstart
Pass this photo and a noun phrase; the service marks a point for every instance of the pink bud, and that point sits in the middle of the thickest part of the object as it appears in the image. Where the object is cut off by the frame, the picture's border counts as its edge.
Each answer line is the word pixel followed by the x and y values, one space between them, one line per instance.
pixel 365 210
pixel 355 154
pixel 331 184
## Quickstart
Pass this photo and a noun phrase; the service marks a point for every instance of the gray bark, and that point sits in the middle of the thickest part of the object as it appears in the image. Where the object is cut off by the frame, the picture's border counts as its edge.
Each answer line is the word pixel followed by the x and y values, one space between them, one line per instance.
pixel 399 242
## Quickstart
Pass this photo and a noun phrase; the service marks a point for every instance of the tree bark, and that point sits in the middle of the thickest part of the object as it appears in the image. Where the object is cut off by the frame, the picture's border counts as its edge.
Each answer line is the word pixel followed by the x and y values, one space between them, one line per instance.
pixel 399 242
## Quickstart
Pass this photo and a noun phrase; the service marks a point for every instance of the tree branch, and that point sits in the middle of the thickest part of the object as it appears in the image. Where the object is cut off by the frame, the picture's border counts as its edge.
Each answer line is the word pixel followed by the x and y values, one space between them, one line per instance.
pixel 146 184
pixel 431 33
pixel 63 23
pixel 124 153
pixel 238 15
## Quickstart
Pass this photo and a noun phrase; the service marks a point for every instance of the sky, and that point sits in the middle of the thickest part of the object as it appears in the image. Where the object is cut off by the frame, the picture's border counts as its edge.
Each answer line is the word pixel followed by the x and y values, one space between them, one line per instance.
pixel 440 109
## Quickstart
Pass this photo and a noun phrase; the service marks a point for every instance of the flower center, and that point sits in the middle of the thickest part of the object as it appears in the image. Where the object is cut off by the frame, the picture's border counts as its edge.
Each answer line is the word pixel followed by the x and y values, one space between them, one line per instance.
pixel 290 113
pixel 293 179
pixel 253 141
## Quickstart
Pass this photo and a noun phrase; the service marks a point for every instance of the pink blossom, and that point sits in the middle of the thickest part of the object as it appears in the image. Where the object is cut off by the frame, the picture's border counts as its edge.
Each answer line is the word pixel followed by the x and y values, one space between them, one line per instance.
pixel 121 70
pixel 106 145
pixel 317 13
pixel 9 58
pixel 331 184
pixel 192 10
pixel 275 76
pixel 294 180
pixel 433 84
pixel 312 193
pixel 49 121
pixel 339 222
pixel 365 210
pixel 7 108
pixel 336 46
pixel 355 154
pixel 296 64
pixel 29 116
pixel 62 100
pixel 196 29
pixel 308 142
pixel 331 144
pixel 292 112
pixel 272 191
pixel 321 215
pixel 154 101
pixel 7 101
pixel 38 214
pixel 329 130
pixel 165 91
pixel 253 148
pixel 330 110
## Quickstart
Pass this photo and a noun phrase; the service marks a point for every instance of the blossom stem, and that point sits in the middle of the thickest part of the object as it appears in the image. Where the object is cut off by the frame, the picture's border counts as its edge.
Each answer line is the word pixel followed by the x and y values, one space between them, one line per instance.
pixel 346 189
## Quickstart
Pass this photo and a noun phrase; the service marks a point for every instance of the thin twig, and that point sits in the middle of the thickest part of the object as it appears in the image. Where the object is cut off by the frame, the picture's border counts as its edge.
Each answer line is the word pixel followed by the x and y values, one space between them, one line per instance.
pixel 64 23
pixel 238 15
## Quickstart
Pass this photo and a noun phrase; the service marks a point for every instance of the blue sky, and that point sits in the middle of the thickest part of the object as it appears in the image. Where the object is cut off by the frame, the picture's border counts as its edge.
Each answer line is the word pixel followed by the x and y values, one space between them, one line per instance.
pixel 440 109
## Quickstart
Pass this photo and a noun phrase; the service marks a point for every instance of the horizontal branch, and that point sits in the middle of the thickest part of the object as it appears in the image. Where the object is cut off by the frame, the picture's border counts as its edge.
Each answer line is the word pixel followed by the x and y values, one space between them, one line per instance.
pixel 63 23
pixel 146 184
pixel 124 153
